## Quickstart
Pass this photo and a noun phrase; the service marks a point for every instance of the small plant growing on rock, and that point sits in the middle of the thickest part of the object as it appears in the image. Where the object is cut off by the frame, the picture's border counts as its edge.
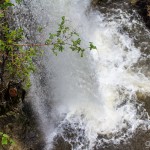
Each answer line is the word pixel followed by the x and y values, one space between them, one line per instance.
pixel 6 140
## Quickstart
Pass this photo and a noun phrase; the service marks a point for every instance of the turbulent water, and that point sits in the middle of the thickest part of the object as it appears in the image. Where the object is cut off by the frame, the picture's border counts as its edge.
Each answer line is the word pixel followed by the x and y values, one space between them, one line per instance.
pixel 92 100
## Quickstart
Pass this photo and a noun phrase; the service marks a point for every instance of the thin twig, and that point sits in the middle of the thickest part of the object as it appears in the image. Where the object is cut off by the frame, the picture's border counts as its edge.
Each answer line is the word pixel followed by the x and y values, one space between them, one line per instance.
pixel 29 45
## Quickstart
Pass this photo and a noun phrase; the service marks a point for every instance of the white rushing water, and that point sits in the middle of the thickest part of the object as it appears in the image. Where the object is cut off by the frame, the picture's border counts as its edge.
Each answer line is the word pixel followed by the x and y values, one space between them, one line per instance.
pixel 83 98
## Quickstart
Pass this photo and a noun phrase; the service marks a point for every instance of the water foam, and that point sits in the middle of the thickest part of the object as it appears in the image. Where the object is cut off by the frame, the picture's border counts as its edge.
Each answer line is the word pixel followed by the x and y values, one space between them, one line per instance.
pixel 92 100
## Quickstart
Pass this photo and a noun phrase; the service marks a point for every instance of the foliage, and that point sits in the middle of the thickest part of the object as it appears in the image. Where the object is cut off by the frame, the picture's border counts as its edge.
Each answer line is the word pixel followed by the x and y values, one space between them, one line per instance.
pixel 18 1
pixel 133 2
pixel 64 36
pixel 5 139
pixel 17 58
pixel 6 4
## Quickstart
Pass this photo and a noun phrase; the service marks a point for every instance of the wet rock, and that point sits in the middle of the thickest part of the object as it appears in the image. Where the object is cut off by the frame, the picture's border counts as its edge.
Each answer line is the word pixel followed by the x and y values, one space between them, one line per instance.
pixel 145 99
pixel 61 144
pixel 18 120
pixel 142 6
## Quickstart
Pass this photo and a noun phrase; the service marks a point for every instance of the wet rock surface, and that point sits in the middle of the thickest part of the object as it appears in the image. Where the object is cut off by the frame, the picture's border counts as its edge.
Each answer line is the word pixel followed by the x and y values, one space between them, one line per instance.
pixel 20 123
pixel 140 141
pixel 17 119
pixel 142 6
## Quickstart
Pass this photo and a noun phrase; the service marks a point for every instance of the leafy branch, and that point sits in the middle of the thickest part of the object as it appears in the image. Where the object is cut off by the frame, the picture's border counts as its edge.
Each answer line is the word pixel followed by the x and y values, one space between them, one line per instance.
pixel 63 37
pixel 16 59
pixel 66 37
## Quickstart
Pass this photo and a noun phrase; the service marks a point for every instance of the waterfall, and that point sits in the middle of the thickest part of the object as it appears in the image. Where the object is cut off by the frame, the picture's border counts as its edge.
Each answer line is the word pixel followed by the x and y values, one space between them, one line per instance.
pixel 92 100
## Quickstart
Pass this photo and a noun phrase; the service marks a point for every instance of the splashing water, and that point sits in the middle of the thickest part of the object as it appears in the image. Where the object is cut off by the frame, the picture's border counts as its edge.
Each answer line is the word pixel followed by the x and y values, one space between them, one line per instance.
pixel 92 100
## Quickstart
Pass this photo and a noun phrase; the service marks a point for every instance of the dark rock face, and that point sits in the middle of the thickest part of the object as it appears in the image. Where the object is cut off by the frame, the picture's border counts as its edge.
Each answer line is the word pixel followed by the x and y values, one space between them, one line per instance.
pixel 22 128
pixel 30 134
pixel 10 96
pixel 142 7
pixel 18 120
pixel 139 141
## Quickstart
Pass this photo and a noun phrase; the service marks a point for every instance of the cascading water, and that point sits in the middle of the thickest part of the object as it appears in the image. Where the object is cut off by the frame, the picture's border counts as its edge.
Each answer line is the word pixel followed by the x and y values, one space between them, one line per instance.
pixel 92 100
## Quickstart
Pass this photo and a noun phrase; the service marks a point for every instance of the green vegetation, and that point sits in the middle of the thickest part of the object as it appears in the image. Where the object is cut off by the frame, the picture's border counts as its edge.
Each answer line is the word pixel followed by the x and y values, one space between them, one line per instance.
pixel 17 58
pixel 64 36
pixel 5 139
pixel 133 1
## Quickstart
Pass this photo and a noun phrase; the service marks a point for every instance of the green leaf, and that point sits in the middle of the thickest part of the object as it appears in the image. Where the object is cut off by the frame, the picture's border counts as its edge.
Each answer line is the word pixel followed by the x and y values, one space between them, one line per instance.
pixel 78 41
pixel 5 135
pixel 1 15
pixel 6 4
pixel 82 54
pixel 7 1
pixel 4 141
pixel 40 29
pixel 18 1
pixel 58 33
pixel 92 46
pixel 12 142
pixel 61 48
pixel 63 17
pixel 48 41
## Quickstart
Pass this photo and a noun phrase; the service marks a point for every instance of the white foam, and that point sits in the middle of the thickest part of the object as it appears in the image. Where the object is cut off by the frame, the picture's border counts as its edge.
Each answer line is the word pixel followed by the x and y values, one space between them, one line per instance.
pixel 85 93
